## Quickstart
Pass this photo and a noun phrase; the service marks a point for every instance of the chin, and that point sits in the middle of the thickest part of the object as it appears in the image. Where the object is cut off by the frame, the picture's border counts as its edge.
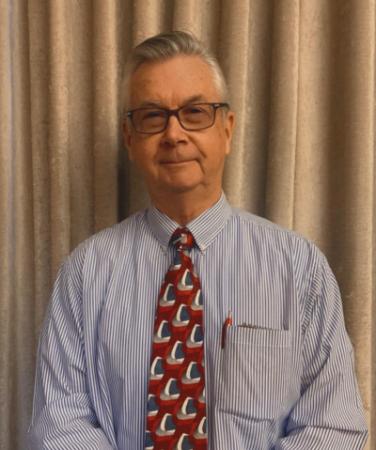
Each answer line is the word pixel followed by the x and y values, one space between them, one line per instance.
pixel 180 188
pixel 181 184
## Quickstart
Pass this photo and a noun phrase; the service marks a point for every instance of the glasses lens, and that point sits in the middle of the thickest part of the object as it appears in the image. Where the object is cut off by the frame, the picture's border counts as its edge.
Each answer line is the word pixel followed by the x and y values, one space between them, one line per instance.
pixel 196 116
pixel 149 120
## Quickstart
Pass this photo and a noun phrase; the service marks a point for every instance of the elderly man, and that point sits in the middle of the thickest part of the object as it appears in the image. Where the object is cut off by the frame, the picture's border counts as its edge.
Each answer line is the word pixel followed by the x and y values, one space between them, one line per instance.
pixel 192 325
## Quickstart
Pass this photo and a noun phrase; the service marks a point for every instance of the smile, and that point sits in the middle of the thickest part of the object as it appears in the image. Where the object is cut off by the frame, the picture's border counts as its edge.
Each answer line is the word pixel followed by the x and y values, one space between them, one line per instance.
pixel 176 163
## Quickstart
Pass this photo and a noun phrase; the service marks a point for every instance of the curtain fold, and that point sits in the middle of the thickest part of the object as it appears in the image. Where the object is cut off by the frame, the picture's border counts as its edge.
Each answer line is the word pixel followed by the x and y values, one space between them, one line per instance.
pixel 106 136
pixel 282 123
pixel 301 76
pixel 37 147
pixel 235 59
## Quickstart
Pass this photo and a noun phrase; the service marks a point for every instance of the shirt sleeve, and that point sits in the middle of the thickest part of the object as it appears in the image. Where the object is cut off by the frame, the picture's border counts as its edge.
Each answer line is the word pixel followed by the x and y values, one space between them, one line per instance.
pixel 329 413
pixel 63 416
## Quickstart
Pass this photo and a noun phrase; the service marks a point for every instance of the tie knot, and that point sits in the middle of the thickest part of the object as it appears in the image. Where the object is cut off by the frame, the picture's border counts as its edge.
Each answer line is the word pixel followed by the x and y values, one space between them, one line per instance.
pixel 182 239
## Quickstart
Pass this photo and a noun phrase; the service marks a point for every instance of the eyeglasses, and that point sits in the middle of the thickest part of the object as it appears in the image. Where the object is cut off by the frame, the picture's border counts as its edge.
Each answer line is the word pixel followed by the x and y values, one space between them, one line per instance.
pixel 192 117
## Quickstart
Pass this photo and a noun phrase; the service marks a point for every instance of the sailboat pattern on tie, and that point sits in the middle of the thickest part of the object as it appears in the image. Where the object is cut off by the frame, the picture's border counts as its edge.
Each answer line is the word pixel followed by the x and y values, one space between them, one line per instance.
pixel 176 409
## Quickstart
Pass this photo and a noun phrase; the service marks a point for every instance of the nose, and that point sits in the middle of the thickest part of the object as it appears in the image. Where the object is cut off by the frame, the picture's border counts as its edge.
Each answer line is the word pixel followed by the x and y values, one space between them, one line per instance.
pixel 174 132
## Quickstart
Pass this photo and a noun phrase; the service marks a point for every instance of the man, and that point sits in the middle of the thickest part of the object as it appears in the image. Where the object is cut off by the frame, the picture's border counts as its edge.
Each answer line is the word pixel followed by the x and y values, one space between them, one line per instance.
pixel 244 345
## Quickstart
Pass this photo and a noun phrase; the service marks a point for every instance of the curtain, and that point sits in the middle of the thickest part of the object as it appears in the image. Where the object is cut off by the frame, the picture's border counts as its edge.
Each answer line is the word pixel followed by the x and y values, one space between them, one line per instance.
pixel 301 75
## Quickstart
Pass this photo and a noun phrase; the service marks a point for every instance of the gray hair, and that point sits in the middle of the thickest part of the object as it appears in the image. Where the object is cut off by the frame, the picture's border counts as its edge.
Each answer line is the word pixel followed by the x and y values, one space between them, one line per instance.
pixel 165 46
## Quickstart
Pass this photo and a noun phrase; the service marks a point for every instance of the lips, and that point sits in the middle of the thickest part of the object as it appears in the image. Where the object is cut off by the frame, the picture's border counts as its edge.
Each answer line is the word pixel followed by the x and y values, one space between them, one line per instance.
pixel 176 162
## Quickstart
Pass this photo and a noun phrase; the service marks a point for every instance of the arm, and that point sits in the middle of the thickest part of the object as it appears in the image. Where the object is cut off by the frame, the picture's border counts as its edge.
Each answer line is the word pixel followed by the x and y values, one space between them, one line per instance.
pixel 63 416
pixel 329 413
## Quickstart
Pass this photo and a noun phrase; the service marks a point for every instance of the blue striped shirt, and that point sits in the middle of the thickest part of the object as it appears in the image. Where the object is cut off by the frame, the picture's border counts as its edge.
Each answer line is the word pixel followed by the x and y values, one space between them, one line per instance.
pixel 284 379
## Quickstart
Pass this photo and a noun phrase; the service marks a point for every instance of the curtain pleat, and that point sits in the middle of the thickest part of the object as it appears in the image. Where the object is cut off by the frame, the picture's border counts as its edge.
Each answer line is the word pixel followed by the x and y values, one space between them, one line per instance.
pixel 282 121
pixel 82 128
pixel 235 59
pixel 190 16
pixel 150 17
pixel 37 147
pixel 6 204
pixel 106 139
pixel 301 76
pixel 59 151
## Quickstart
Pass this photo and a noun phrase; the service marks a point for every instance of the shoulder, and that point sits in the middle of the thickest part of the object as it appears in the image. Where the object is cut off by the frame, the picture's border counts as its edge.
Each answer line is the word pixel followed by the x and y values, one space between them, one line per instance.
pixel 261 228
pixel 109 243
pixel 279 244
pixel 281 250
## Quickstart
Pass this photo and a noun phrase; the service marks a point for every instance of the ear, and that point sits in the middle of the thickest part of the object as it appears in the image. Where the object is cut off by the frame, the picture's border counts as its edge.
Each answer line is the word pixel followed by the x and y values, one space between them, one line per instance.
pixel 127 138
pixel 229 124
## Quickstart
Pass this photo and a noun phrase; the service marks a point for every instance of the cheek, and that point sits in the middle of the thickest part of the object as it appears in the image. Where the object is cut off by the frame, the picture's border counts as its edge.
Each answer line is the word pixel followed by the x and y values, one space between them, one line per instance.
pixel 143 155
pixel 217 151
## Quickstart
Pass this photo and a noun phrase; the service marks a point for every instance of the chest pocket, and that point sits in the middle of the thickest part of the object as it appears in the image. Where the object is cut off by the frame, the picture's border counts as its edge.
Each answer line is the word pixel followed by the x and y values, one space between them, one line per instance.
pixel 254 372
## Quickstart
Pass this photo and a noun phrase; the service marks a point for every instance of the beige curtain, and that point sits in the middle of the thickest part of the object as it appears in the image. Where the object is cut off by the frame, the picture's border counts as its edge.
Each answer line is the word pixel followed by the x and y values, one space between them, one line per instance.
pixel 302 82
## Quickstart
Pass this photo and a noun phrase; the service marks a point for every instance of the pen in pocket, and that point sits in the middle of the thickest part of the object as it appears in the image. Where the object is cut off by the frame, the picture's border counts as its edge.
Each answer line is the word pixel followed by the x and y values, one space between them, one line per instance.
pixel 227 323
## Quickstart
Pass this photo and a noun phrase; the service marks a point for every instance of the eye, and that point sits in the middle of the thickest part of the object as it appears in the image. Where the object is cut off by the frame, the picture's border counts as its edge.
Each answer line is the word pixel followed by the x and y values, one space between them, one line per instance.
pixel 196 114
pixel 151 114
pixel 194 109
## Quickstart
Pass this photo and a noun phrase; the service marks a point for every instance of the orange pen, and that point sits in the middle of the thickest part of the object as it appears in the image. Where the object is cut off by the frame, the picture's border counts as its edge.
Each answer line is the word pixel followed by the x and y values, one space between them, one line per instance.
pixel 227 323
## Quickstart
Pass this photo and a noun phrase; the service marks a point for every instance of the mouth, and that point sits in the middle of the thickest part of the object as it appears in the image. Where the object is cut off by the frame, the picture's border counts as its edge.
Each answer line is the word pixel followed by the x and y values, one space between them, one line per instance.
pixel 176 163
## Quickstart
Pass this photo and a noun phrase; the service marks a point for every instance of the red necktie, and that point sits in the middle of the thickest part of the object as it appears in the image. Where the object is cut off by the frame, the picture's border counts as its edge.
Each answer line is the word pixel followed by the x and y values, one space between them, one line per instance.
pixel 176 412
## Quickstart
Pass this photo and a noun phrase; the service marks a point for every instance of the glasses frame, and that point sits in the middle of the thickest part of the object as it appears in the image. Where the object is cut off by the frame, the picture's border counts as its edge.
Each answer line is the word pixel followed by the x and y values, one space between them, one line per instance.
pixel 175 113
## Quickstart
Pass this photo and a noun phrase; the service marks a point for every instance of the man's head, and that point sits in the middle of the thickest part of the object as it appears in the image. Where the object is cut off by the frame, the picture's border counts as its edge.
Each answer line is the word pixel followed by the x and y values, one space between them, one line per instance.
pixel 183 150
pixel 168 45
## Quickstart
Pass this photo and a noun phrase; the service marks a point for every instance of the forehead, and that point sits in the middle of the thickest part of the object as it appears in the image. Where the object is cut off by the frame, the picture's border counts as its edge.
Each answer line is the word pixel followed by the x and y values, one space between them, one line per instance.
pixel 172 82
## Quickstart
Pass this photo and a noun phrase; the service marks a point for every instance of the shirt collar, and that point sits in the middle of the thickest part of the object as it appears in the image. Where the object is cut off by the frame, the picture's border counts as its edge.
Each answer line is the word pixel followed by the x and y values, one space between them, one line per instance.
pixel 204 228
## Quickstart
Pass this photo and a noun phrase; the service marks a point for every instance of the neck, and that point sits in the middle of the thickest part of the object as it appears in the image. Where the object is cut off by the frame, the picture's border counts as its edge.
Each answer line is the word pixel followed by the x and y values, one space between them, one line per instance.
pixel 183 207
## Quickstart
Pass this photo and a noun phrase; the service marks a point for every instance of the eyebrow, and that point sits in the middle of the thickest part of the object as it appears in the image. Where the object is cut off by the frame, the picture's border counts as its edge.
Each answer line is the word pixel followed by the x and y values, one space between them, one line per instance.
pixel 156 104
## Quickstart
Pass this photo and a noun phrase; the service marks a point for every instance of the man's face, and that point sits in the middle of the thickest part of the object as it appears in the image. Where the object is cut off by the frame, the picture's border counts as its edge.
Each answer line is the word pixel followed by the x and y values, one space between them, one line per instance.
pixel 176 160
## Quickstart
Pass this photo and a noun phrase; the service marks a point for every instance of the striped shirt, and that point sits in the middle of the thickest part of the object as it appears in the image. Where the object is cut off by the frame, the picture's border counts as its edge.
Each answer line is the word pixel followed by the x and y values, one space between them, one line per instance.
pixel 284 379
